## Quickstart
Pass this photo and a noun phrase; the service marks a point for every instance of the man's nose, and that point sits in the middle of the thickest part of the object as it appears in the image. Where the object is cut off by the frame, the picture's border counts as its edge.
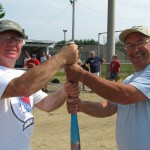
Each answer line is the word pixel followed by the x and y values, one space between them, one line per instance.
pixel 135 49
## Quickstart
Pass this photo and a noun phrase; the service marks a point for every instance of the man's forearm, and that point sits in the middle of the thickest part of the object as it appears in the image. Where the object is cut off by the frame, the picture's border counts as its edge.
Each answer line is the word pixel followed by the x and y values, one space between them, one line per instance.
pixel 109 90
pixel 53 101
pixel 35 78
pixel 42 74
pixel 98 109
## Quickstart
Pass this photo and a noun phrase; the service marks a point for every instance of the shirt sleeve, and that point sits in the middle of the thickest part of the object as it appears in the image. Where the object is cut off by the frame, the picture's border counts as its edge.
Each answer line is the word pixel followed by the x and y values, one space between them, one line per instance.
pixel 4 80
pixel 143 85
pixel 6 77
pixel 38 96
pixel 37 62
pixel 118 64
pixel 27 63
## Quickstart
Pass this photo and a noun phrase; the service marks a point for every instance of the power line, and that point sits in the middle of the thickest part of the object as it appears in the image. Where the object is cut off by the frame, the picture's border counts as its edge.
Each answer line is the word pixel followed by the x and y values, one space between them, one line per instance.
pixel 91 9
pixel 60 13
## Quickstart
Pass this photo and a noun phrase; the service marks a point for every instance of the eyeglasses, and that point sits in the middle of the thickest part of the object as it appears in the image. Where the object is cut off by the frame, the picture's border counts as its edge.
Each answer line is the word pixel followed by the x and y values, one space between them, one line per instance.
pixel 137 44
pixel 7 39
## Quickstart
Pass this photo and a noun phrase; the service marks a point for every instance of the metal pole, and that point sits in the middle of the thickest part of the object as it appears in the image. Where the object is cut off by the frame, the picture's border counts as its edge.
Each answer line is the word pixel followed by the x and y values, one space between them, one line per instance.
pixel 64 35
pixel 98 46
pixel 110 32
pixel 73 19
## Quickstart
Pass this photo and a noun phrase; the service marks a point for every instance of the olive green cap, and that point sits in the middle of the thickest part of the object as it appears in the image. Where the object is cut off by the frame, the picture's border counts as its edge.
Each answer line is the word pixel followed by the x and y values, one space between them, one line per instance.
pixel 8 25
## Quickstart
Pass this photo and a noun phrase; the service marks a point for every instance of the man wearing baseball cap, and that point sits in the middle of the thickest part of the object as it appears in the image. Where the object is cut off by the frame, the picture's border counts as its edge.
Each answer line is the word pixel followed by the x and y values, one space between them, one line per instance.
pixel 135 29
pixel 131 100
pixel 20 91
pixel 8 25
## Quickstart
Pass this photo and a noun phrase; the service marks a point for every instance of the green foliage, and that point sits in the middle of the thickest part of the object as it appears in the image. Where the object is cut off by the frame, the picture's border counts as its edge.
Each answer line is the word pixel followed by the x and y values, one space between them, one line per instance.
pixel 78 42
pixel 60 76
pixel 119 46
pixel 86 42
pixel 2 12
pixel 59 44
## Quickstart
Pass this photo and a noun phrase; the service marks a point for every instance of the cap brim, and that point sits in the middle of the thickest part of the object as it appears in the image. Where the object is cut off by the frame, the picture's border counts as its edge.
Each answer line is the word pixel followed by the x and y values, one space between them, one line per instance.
pixel 125 33
pixel 14 31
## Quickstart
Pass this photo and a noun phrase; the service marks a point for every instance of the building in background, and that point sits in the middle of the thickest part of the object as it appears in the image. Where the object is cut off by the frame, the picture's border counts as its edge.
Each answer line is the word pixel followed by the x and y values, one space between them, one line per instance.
pixel 33 47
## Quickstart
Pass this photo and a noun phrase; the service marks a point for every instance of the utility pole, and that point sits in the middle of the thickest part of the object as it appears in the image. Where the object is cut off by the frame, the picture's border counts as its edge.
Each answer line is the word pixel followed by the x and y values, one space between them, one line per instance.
pixel 73 18
pixel 110 32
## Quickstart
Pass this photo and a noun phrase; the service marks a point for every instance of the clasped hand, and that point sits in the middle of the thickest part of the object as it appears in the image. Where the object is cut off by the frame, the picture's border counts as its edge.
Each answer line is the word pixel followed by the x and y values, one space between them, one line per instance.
pixel 73 101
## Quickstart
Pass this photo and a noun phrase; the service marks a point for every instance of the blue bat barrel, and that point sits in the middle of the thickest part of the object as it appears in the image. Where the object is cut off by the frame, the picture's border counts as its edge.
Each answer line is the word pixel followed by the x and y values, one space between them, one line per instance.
pixel 75 136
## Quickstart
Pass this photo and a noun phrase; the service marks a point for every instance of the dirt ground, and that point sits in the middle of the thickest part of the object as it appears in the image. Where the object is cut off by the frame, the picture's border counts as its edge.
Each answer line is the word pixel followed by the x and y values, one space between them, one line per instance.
pixel 52 130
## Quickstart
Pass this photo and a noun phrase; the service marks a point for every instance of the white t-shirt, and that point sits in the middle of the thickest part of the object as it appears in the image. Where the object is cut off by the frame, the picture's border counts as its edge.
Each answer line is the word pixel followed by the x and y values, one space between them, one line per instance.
pixel 133 121
pixel 16 118
pixel 43 59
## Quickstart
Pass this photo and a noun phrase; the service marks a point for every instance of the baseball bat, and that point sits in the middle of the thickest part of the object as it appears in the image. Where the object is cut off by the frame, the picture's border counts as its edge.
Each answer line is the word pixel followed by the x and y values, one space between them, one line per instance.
pixel 75 135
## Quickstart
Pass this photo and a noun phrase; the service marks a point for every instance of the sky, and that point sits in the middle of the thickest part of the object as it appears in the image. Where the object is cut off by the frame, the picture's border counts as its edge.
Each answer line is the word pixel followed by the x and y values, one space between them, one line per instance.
pixel 46 19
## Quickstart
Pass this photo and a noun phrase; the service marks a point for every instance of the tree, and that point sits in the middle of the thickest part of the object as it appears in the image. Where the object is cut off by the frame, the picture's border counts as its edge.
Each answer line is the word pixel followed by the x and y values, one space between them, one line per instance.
pixel 78 42
pixel 59 44
pixel 2 12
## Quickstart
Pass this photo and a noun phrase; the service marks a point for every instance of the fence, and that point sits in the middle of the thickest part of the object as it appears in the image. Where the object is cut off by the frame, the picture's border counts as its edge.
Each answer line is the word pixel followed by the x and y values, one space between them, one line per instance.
pixel 100 50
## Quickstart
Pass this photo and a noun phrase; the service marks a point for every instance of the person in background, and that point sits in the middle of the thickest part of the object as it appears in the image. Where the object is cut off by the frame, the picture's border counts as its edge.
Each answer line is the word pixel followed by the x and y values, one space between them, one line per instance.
pixel 43 57
pixel 45 88
pixel 130 100
pixel 79 61
pixel 48 56
pixel 32 62
pixel 27 57
pixel 95 62
pixel 114 69
pixel 20 90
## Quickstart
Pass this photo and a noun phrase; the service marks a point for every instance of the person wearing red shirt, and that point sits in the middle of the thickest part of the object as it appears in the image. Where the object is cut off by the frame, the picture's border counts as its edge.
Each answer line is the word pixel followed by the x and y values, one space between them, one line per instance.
pixel 114 69
pixel 32 62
